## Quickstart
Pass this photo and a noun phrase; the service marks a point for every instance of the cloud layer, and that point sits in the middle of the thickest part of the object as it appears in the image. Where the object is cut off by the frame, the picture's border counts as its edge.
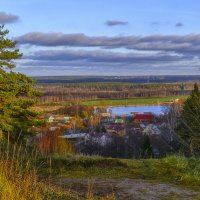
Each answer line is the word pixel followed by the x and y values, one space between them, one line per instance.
pixel 7 18
pixel 181 44
pixel 155 53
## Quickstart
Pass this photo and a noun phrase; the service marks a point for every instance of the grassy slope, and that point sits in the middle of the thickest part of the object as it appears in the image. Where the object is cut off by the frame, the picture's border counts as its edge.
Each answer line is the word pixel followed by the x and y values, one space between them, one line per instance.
pixel 19 180
pixel 184 172
pixel 135 101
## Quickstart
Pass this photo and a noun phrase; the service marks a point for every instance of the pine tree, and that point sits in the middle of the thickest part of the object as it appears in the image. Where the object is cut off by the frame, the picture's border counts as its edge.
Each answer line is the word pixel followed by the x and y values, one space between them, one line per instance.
pixel 16 92
pixel 189 126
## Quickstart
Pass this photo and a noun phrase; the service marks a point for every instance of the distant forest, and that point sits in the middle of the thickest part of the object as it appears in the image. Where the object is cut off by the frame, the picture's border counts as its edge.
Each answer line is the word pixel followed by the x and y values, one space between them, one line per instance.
pixel 123 79
pixel 59 91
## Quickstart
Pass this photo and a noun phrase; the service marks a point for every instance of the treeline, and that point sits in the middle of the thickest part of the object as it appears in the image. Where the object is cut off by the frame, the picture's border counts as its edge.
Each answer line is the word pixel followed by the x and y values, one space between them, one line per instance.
pixel 91 91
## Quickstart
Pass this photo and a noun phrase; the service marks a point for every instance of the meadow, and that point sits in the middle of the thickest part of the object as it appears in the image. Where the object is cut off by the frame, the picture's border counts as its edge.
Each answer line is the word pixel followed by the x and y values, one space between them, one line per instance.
pixel 133 101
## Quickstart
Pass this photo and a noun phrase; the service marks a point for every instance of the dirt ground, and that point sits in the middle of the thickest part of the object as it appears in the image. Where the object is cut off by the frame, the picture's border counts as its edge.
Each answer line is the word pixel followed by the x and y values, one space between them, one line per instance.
pixel 127 189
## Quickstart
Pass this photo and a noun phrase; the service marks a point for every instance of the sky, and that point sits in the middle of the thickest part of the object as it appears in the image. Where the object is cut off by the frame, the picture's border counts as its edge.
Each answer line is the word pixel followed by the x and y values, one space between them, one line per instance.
pixel 104 37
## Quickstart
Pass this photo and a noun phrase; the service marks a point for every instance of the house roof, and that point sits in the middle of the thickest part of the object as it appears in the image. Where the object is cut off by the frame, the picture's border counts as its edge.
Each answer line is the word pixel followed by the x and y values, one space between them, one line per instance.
pixel 73 136
pixel 143 116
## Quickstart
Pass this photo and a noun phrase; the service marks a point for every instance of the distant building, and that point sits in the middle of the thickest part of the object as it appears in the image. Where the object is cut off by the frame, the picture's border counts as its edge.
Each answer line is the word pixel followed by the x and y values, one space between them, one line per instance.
pixel 74 137
pixel 106 114
pixel 67 119
pixel 151 129
pixel 119 121
pixel 50 119
pixel 143 117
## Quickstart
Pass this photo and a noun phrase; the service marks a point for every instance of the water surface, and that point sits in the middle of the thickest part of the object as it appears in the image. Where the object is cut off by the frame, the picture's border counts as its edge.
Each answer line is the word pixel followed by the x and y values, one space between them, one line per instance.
pixel 123 110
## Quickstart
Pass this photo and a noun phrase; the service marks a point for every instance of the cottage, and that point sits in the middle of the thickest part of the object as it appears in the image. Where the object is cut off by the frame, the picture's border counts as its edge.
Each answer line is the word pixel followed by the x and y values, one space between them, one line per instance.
pixel 143 118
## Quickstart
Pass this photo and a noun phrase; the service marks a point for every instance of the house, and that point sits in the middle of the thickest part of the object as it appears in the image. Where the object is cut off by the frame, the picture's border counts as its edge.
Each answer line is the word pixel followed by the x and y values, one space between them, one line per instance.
pixel 74 137
pixel 119 120
pixel 50 119
pixel 114 128
pixel 151 129
pixel 143 117
pixel 67 126
pixel 53 128
pixel 105 120
pixel 67 119
pixel 106 114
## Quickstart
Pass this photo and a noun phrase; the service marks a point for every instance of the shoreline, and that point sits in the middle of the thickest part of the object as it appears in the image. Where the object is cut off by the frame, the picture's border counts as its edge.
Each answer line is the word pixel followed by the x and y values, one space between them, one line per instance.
pixel 134 105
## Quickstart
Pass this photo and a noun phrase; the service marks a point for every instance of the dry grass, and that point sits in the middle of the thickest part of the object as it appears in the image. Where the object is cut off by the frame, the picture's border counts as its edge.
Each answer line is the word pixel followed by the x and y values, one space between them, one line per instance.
pixel 19 179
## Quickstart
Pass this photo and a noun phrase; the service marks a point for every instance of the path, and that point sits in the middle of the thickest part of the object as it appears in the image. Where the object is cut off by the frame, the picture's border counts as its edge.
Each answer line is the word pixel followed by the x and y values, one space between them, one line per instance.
pixel 127 189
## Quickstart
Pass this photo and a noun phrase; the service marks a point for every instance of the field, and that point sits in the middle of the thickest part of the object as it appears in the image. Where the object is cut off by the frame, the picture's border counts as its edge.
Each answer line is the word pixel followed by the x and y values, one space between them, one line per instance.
pixel 134 101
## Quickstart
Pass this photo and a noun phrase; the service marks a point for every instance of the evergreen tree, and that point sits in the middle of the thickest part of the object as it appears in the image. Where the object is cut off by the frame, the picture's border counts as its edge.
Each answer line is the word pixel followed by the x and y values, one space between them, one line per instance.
pixel 16 92
pixel 147 148
pixel 189 126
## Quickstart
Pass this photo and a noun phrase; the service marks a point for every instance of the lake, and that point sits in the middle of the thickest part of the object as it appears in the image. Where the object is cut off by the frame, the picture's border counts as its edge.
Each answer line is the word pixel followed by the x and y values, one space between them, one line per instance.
pixel 123 110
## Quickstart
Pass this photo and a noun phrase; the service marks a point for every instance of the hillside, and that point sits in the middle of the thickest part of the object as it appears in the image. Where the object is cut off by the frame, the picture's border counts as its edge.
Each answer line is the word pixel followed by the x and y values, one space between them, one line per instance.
pixel 173 177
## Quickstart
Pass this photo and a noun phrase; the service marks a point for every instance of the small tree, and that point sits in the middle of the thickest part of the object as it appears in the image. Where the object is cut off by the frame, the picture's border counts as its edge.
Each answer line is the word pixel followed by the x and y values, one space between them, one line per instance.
pixel 147 148
pixel 189 124
pixel 16 93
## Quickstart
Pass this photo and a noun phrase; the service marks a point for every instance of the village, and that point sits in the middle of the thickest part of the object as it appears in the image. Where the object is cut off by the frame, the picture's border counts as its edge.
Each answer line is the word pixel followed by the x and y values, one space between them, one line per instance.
pixel 102 133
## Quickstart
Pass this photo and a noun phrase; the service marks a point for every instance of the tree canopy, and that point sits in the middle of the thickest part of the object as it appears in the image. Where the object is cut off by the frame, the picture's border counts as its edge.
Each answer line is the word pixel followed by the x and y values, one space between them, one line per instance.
pixel 189 126
pixel 16 92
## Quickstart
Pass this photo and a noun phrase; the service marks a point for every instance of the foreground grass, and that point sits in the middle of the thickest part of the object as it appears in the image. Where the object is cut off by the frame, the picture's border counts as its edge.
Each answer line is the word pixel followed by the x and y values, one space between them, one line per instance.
pixel 134 101
pixel 24 176
pixel 180 171
pixel 19 179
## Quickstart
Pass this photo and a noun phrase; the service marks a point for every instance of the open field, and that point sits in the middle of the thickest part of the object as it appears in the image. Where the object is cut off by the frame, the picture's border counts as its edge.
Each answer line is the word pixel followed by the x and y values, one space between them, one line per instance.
pixel 53 107
pixel 134 101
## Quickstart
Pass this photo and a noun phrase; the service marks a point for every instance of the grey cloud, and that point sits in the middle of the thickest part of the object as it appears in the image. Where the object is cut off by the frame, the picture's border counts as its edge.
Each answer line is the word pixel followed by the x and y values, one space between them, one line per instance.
pixel 7 18
pixel 179 24
pixel 115 23
pixel 187 43
pixel 101 56
pixel 107 62
pixel 74 40
pixel 135 68
pixel 159 51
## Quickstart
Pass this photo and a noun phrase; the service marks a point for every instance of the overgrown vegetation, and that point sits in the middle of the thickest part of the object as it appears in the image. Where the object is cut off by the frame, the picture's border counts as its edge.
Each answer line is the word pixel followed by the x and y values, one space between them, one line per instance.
pixel 19 179
pixel 178 170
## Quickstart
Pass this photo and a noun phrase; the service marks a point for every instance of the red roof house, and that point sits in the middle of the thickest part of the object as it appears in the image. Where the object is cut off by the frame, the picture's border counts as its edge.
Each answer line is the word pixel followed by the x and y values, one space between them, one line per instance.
pixel 143 118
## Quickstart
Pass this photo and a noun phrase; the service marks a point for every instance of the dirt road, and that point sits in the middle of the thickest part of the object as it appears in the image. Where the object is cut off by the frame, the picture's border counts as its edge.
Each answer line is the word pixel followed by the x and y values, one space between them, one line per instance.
pixel 127 189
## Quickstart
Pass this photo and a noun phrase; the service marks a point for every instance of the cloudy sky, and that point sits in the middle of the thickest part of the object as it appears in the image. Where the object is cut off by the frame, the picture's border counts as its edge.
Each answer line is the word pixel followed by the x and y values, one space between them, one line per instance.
pixel 105 37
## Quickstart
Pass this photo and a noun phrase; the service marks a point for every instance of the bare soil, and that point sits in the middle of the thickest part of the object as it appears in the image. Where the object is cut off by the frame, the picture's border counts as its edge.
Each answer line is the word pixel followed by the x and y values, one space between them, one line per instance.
pixel 126 189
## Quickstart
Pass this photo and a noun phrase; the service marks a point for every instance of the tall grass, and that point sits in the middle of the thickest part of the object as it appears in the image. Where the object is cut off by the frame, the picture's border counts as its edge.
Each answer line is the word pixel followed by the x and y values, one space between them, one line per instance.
pixel 19 179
